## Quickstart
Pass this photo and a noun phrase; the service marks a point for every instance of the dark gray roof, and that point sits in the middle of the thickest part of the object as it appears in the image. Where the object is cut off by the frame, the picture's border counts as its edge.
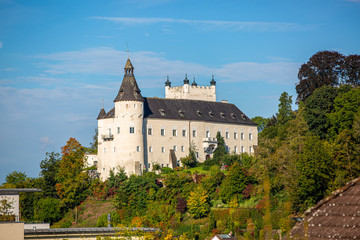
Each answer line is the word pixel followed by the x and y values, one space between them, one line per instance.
pixel 102 113
pixel 129 90
pixel 195 110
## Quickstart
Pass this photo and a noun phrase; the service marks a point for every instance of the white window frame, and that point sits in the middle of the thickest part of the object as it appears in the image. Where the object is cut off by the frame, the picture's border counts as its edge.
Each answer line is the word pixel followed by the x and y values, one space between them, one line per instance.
pixel 174 132
pixel 150 149
pixel 207 133
pixel 138 149
pixel 250 136
pixel 118 130
pixel 227 135
pixel 163 149
pixel 162 131
pixel 235 135
pixel 132 130
pixel 183 148
pixel 150 131
pixel 184 132
pixel 175 148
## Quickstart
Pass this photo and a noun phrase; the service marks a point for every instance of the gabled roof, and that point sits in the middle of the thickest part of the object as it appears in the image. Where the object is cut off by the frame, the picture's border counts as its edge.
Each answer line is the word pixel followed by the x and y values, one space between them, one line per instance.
pixel 335 217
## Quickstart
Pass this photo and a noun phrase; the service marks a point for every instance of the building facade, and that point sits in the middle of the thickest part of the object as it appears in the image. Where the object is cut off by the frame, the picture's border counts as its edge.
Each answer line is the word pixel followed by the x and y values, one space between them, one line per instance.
pixel 140 132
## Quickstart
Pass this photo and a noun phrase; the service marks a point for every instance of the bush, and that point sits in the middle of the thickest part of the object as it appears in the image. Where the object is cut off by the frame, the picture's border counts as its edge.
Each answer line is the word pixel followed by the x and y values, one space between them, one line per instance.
pixel 166 170
pixel 102 221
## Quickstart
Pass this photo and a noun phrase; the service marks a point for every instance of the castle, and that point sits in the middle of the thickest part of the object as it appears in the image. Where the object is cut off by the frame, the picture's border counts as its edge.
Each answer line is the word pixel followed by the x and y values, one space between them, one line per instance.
pixel 140 132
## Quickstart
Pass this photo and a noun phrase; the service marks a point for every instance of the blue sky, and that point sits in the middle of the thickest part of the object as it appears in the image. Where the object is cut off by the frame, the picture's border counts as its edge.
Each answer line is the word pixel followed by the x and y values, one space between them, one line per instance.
pixel 58 59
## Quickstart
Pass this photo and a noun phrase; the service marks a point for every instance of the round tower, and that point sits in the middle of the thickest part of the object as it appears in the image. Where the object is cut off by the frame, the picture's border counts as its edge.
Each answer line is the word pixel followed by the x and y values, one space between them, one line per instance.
pixel 128 124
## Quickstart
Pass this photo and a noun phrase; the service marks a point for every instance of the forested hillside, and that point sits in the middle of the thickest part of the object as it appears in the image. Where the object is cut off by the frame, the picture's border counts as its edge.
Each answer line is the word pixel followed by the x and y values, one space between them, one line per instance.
pixel 302 156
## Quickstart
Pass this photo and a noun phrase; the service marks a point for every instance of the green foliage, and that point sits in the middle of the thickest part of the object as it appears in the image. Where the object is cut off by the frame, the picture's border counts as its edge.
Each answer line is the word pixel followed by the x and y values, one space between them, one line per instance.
pixel 48 210
pixel 220 150
pixel 198 203
pixel 235 182
pixel 284 111
pixel 72 180
pixel 15 178
pixel 166 170
pixel 190 160
pixel 346 105
pixel 260 121
pixel 49 168
pixel 315 170
pixel 114 181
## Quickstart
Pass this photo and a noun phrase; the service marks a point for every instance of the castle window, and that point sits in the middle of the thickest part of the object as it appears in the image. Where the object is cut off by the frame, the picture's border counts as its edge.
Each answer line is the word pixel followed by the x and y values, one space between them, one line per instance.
pixel 149 165
pixel 162 112
pixel 233 116
pixel 162 132
pixel 149 131
pixel 118 130
pixel 104 150
pixel 182 148
pixel 150 149
pixel 174 132
pixel 207 134
pixel 181 113
pixel 132 130
pixel 104 169
pixel 114 149
pixel 235 149
pixel 184 132
pixel 194 133
pixel 198 113
pixel 211 114
pixel 135 106
pixel 243 116
pixel 250 149
pixel 222 115
pixel 138 148
pixel 242 149
pixel 242 136
pixel 109 132
pixel 162 149
pixel 197 154
pixel 175 148
pixel 250 136
pixel 235 135
pixel 227 135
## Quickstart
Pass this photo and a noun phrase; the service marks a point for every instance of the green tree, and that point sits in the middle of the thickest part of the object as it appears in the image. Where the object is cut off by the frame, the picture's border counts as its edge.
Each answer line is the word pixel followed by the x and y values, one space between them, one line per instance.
pixel 16 179
pixel 235 182
pixel 346 105
pixel 315 171
pixel 352 70
pixel 260 121
pixel 220 150
pixel 190 160
pixel 284 110
pixel 49 168
pixel 48 210
pixel 197 203
pixel 317 108
pixel 72 180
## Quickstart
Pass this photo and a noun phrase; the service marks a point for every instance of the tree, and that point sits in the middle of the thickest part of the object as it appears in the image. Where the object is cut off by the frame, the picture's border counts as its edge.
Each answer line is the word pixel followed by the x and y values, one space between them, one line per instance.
pixel 48 210
pixel 16 178
pixel 235 182
pixel 220 150
pixel 49 168
pixel 190 160
pixel 352 70
pixel 324 68
pixel 317 108
pixel 94 144
pixel 346 105
pixel 72 180
pixel 197 203
pixel 315 171
pixel 284 111
pixel 260 121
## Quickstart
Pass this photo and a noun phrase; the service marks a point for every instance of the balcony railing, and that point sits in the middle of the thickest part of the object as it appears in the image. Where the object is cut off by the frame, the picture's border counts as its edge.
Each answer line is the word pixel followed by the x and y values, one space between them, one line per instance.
pixel 107 137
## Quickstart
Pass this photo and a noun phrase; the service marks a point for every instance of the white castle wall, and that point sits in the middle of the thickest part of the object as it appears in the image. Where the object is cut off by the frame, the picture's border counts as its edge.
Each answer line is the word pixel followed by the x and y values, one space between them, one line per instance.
pixel 205 93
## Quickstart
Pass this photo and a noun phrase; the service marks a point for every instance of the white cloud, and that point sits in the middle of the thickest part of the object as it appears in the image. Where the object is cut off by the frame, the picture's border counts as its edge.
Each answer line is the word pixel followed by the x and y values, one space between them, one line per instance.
pixel 210 25
pixel 151 65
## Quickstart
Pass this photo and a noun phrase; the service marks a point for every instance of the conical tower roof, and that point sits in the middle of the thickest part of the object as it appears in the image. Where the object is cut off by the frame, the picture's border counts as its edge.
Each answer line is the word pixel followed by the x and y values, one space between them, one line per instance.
pixel 102 113
pixel 129 90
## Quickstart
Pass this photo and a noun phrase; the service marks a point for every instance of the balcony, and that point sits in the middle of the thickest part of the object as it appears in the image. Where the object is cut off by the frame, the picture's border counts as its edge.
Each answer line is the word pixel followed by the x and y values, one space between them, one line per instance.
pixel 209 144
pixel 107 137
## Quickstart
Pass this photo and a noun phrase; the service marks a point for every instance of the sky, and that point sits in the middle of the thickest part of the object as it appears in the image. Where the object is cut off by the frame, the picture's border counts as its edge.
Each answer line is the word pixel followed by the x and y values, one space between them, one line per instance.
pixel 60 58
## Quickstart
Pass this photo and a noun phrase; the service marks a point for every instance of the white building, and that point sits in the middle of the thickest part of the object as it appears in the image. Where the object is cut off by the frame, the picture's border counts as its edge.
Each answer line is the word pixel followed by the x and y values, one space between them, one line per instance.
pixel 140 132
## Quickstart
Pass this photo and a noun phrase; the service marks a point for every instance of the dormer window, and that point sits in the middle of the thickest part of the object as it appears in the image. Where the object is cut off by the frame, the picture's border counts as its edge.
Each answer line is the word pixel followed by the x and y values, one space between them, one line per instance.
pixel 181 113
pixel 233 116
pixel 222 115
pixel 198 113
pixel 162 112
pixel 243 116
pixel 211 114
